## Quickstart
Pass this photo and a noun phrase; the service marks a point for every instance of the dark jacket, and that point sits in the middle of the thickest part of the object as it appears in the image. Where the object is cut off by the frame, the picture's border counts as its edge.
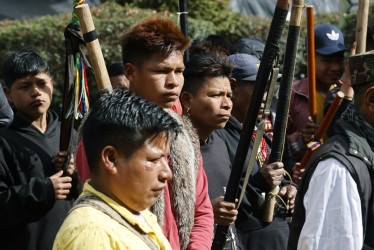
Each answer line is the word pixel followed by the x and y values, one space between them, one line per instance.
pixel 216 164
pixel 217 167
pixel 350 148
pixel 30 217
pixel 252 231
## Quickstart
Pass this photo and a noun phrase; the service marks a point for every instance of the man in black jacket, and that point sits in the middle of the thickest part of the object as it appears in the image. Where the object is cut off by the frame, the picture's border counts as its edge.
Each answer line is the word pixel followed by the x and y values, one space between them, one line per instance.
pixel 335 207
pixel 35 196
pixel 253 232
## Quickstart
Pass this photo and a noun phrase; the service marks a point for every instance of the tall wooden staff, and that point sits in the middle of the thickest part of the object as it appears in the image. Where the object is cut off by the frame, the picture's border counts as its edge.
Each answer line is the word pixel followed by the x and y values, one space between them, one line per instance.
pixel 311 63
pixel 182 19
pixel 76 95
pixel 94 50
pixel 74 40
pixel 284 100
pixel 361 25
pixel 271 54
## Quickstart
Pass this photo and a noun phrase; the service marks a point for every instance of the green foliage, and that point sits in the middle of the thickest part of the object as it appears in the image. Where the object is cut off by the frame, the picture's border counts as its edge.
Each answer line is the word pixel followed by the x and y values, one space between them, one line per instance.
pixel 201 9
pixel 349 26
pixel 45 34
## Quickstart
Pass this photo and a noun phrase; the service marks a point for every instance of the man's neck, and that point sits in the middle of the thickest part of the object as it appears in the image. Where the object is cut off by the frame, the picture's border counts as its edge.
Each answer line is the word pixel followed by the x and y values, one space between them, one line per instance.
pixel 40 122
pixel 101 185
pixel 204 135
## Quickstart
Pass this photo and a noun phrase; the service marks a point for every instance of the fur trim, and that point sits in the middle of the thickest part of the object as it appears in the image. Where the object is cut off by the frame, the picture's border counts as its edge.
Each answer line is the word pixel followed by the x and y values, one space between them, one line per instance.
pixel 184 163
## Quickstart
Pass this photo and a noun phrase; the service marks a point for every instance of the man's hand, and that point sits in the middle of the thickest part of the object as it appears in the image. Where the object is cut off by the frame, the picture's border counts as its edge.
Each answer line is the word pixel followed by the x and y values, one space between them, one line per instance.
pixel 224 212
pixel 308 131
pixel 59 162
pixel 273 173
pixel 61 184
pixel 297 173
pixel 290 193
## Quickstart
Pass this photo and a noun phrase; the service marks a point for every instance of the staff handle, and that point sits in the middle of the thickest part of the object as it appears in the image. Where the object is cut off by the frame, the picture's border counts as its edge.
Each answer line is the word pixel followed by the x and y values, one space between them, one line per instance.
pixel 311 62
pixel 283 105
pixel 93 48
pixel 361 25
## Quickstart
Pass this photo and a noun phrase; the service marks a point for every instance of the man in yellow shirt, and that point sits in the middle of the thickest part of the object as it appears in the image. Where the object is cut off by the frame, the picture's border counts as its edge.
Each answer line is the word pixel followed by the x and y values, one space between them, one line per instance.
pixel 126 139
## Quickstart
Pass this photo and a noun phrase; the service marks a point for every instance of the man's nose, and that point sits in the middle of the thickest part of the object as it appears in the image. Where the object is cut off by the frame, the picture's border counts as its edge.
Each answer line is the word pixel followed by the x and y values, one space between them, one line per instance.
pixel 165 174
pixel 35 91
pixel 226 102
pixel 172 80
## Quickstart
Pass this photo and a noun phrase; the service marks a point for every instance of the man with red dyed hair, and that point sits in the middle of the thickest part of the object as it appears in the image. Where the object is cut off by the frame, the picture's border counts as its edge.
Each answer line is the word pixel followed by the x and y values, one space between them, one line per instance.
pixel 153 58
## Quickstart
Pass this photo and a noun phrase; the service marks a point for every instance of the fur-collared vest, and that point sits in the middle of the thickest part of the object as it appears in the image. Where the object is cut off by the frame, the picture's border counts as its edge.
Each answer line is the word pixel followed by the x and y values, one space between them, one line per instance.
pixel 184 163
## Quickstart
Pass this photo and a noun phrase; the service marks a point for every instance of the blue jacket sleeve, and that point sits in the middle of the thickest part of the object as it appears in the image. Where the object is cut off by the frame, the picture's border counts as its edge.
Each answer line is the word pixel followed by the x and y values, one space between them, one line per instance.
pixel 6 113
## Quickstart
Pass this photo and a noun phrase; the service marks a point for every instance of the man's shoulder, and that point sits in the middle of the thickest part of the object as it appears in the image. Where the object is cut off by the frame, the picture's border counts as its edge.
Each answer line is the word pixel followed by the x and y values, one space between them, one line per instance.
pixel 337 150
pixel 335 147
pixel 87 217
pixel 87 226
pixel 10 136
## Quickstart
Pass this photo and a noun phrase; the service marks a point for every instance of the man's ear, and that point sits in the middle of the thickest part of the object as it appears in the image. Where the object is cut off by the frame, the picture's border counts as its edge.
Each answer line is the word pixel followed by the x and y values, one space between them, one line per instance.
pixel 129 71
pixel 233 83
pixel 369 99
pixel 186 100
pixel 108 158
pixel 7 94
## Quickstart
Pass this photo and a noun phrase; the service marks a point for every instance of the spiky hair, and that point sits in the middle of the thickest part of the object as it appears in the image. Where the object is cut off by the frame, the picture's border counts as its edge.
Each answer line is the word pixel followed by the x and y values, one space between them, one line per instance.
pixel 152 35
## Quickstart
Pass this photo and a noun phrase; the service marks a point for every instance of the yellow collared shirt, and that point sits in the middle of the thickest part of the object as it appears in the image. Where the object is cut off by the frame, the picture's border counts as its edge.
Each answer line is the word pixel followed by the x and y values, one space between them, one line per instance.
pixel 89 228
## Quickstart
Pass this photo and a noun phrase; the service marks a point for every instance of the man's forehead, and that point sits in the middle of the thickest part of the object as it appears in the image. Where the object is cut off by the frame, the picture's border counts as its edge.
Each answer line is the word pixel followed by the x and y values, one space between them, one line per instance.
pixel 30 78
pixel 175 57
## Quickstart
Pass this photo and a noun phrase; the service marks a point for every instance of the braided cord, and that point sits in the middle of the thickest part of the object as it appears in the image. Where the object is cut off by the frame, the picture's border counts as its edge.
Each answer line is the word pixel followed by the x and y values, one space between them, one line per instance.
pixel 74 18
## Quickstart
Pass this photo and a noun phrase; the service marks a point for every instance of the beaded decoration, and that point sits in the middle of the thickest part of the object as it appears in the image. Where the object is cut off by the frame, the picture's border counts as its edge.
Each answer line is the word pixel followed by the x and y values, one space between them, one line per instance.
pixel 262 150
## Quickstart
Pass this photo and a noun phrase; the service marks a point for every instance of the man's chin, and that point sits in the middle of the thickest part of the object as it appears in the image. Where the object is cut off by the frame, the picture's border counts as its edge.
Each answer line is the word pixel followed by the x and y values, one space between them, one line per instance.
pixel 167 105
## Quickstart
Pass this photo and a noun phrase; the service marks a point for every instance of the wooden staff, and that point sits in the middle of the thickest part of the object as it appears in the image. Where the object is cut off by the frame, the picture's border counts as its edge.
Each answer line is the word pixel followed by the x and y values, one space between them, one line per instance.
pixel 285 87
pixel 94 50
pixel 318 136
pixel 182 16
pixel 361 25
pixel 311 63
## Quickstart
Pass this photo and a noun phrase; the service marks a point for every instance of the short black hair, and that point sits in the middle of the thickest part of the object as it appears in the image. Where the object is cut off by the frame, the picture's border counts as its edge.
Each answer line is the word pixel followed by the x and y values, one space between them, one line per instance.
pixel 249 45
pixel 116 69
pixel 214 44
pixel 125 121
pixel 22 63
pixel 202 65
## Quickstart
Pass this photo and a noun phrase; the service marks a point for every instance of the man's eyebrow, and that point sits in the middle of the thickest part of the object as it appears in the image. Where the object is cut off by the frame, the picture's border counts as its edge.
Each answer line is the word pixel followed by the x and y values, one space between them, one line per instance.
pixel 25 82
pixel 217 90
pixel 168 67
